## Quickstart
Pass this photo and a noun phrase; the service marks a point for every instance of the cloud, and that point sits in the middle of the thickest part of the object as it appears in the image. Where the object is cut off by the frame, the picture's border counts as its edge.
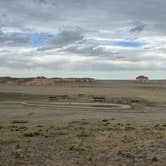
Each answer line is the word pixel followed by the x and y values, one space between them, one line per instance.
pixel 14 39
pixel 66 37
pixel 89 35
pixel 23 39
pixel 137 28
pixel 63 38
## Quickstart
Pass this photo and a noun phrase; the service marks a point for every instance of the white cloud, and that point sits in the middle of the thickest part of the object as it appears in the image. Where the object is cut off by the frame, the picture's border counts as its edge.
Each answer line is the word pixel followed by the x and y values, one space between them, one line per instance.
pixel 83 33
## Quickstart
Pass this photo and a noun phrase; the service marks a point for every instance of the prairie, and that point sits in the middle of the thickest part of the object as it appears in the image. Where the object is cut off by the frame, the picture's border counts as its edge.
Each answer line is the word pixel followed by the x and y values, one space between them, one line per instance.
pixel 63 125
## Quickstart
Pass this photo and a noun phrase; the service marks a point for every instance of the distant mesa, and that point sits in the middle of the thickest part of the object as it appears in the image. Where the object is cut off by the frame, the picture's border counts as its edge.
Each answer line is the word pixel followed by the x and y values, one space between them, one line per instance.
pixel 142 79
pixel 43 81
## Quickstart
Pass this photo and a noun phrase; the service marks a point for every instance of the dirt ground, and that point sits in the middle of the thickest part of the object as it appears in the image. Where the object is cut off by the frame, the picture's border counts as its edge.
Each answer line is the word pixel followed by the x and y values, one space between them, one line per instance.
pixel 36 131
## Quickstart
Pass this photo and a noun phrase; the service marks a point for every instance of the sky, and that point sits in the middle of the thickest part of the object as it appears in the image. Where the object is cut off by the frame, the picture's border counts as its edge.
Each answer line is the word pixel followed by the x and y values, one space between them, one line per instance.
pixel 103 39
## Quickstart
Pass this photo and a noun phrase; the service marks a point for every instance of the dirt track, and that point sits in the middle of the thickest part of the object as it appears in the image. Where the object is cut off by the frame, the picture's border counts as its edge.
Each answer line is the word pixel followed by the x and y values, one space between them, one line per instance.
pixel 79 105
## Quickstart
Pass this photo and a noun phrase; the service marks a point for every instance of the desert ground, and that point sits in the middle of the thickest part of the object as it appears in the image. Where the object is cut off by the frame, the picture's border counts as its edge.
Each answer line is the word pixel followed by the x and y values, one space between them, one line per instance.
pixel 104 123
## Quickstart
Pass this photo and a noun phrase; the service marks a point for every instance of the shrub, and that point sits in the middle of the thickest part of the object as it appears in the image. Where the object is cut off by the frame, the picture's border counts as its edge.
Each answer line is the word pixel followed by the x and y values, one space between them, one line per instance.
pixel 7 141
pixel 19 121
pixel 32 134
pixel 155 159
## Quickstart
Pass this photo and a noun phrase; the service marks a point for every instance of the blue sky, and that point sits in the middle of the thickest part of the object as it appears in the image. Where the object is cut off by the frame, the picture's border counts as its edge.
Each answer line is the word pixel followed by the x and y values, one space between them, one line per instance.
pixel 128 43
pixel 40 40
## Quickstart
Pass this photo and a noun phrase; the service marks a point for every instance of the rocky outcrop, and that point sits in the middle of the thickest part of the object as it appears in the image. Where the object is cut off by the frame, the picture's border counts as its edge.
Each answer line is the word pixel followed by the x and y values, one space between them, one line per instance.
pixel 142 79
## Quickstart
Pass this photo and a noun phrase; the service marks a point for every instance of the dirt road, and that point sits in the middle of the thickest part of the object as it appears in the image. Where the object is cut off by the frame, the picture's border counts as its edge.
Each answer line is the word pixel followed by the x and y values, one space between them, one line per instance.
pixel 77 105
